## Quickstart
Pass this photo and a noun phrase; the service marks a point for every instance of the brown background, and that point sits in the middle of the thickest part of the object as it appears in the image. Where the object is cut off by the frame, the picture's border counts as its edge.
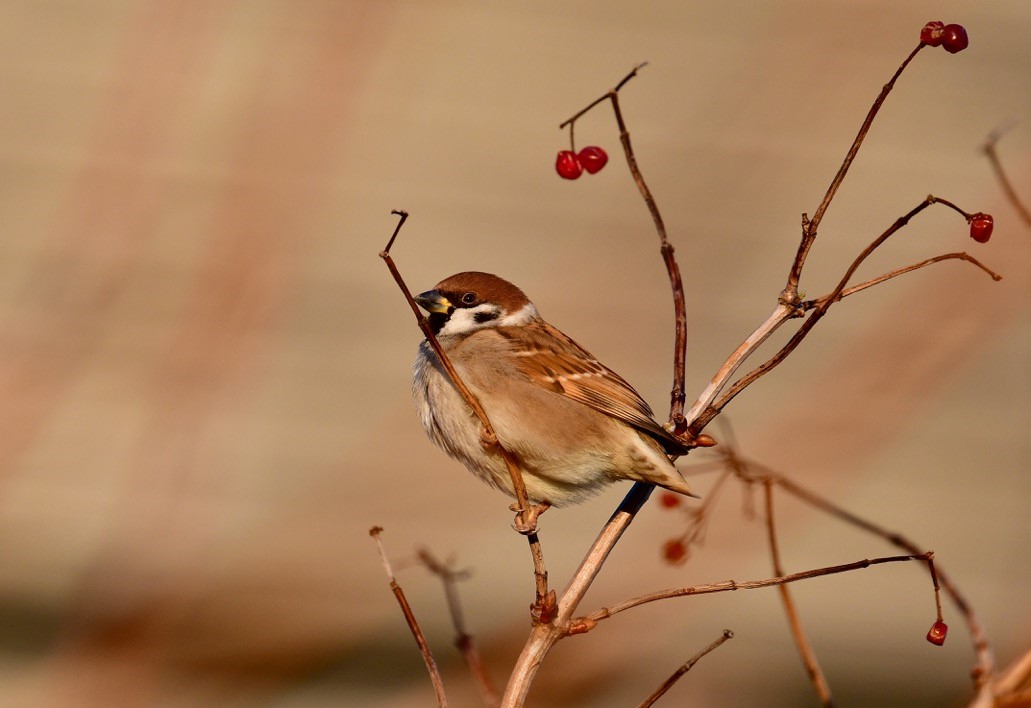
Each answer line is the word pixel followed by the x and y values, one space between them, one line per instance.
pixel 205 366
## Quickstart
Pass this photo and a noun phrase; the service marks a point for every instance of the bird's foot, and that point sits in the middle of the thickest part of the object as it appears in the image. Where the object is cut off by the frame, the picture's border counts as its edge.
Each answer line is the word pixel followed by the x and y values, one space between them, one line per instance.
pixel 526 519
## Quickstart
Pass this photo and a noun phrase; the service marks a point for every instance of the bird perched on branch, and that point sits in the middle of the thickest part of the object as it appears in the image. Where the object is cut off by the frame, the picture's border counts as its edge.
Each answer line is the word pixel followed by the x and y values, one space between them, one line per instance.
pixel 572 424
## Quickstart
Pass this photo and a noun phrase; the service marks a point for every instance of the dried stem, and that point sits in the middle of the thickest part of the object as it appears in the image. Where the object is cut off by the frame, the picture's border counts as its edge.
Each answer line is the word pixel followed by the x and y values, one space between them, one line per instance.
pixel 677 394
pixel 526 516
pixel 463 640
pixel 810 226
pixel 705 409
pixel 985 668
pixel 962 256
pixel 543 637
pixel 805 651
pixel 413 624
pixel 731 585
pixel 684 668
pixel 1004 180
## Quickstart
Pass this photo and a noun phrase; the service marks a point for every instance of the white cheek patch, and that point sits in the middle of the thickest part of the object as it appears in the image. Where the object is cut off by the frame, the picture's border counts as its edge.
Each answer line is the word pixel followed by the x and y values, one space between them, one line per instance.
pixel 524 315
pixel 464 319
pixel 469 319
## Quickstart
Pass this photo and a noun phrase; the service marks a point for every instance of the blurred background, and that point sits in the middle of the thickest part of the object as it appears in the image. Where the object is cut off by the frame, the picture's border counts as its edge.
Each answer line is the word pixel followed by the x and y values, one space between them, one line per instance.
pixel 205 365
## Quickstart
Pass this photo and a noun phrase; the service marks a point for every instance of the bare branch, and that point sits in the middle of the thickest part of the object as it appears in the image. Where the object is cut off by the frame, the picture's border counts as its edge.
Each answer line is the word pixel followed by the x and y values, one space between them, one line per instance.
pixel 543 637
pixel 413 624
pixel 805 650
pixel 684 668
pixel 962 256
pixel 730 585
pixel 709 411
pixel 677 395
pixel 463 640
pixel 810 226
pixel 985 668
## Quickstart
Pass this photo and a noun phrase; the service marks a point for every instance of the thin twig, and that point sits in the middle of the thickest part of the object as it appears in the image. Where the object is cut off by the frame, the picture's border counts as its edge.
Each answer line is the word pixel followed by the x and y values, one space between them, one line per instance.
pixel 821 306
pixel 731 585
pixel 703 410
pixel 684 668
pixel 526 516
pixel 985 669
pixel 677 394
pixel 601 99
pixel 1000 174
pixel 810 226
pixel 413 624
pixel 961 255
pixel 543 637
pixel 700 413
pixel 463 640
pixel 805 650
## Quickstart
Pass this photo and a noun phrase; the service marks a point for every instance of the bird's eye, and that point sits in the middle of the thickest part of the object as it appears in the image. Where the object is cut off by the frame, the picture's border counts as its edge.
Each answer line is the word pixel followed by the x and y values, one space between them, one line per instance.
pixel 469 298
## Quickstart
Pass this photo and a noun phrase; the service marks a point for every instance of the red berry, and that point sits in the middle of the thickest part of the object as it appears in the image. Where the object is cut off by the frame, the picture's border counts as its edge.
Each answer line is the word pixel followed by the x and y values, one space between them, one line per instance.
pixel 669 500
pixel 567 165
pixel 981 226
pixel 931 34
pixel 674 551
pixel 937 633
pixel 593 158
pixel 954 38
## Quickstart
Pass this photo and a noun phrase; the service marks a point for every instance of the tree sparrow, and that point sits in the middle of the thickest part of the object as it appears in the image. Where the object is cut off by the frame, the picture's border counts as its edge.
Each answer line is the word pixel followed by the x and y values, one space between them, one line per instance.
pixel 572 424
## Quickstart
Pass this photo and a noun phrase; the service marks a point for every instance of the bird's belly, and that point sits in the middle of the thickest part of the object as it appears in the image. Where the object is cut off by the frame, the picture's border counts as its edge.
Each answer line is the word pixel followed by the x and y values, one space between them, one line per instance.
pixel 558 468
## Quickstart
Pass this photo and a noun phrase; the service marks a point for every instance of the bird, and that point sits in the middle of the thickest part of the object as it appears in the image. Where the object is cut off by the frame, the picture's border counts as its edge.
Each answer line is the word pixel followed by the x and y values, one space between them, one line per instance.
pixel 572 424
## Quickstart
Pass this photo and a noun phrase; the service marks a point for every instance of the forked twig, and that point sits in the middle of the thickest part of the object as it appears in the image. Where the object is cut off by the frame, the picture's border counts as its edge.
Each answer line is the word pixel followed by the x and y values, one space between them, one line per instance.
pixel 732 585
pixel 711 403
pixel 985 668
pixel 752 472
pixel 413 624
pixel 810 226
pixel 677 395
pixel 683 669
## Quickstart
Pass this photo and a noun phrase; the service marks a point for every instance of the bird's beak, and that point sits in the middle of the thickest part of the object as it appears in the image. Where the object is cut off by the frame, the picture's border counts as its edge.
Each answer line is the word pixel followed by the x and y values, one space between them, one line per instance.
pixel 432 301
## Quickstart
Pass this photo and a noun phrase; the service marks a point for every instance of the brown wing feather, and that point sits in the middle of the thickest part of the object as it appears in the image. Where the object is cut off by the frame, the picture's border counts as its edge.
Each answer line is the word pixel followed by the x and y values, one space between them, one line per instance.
pixel 559 364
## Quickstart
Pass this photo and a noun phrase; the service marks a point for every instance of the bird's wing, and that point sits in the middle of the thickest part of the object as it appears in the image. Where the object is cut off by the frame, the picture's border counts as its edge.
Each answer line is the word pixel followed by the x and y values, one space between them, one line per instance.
pixel 552 360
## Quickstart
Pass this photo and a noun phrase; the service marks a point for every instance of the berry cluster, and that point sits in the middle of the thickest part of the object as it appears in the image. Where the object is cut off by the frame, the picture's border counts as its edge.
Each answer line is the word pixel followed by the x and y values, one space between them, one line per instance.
pixel 570 165
pixel 952 37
